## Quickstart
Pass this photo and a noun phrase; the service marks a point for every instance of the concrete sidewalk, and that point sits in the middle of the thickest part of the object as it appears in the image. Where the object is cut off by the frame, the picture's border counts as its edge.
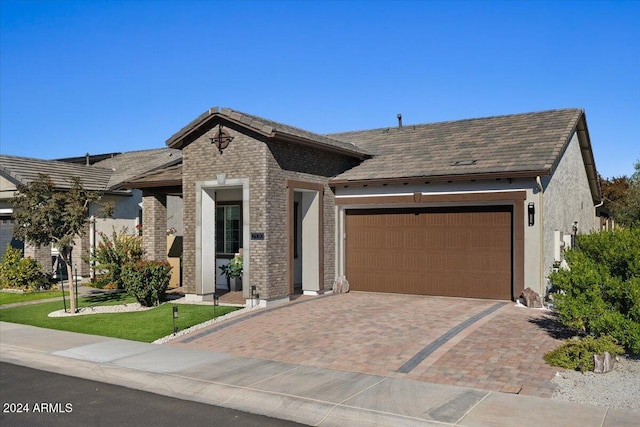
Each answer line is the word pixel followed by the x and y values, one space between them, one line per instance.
pixel 308 395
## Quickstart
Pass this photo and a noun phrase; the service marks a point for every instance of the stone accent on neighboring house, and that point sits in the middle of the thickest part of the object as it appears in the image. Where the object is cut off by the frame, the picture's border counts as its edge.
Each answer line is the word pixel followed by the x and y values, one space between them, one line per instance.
pixel 154 226
pixel 81 252
pixel 42 254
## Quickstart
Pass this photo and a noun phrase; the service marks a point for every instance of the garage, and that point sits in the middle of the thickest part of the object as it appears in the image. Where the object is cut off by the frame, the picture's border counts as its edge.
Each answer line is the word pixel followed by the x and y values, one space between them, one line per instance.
pixel 445 251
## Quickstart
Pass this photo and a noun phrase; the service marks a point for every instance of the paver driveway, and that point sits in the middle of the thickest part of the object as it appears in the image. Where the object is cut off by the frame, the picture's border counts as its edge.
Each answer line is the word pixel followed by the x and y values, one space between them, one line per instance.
pixel 498 346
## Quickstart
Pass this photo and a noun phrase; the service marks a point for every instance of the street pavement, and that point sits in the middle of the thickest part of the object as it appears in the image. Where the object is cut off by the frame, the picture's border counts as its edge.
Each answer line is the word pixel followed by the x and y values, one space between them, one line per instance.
pixel 38 398
pixel 288 391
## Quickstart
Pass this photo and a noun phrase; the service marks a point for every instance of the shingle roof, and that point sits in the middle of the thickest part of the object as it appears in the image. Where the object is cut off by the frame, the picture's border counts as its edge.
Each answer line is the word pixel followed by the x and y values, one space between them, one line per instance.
pixel 518 144
pixel 130 164
pixel 265 127
pixel 23 170
pixel 106 175
pixel 170 176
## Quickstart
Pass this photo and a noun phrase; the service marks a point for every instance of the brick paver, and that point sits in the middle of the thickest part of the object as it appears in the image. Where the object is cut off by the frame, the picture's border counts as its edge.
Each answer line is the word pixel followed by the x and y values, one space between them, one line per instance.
pixel 377 333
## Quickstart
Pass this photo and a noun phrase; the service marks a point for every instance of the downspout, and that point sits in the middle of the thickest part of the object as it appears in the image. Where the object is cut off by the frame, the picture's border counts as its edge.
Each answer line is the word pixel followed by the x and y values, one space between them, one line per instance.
pixel 597 224
pixel 541 189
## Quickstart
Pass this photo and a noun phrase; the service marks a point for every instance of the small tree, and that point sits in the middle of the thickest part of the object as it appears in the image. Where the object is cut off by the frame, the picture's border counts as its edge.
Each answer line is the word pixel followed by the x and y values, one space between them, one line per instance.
pixel 621 197
pixel 45 215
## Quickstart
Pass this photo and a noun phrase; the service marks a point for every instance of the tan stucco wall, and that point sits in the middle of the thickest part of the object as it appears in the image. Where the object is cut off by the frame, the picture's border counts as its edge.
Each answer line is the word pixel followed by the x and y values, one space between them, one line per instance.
pixel 567 198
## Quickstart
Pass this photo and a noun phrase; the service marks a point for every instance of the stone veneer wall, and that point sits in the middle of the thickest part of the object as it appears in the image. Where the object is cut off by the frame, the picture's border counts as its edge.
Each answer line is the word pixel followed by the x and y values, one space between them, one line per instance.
pixel 268 165
pixel 301 163
pixel 154 226
pixel 243 158
pixel 42 254
pixel 81 252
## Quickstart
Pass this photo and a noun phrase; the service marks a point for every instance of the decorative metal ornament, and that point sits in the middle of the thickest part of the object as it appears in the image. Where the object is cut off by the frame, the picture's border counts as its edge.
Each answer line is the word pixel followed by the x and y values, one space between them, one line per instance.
pixel 222 139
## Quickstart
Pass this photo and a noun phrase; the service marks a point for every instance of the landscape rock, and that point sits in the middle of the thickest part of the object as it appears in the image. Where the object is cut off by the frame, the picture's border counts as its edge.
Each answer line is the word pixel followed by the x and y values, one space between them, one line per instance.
pixel 531 298
pixel 341 285
pixel 602 363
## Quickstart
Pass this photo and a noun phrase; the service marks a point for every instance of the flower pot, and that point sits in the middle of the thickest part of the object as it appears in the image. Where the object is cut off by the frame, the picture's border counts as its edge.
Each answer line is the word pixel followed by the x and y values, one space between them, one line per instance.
pixel 235 284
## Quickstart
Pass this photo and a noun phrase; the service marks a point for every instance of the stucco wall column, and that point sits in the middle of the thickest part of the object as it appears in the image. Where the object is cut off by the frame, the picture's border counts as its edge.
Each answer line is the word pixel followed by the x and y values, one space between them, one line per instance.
pixel 154 226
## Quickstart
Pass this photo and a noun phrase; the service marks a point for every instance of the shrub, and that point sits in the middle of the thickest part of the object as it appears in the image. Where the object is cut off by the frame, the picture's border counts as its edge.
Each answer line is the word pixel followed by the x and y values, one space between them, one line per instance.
pixel 578 354
pixel 17 272
pixel 234 268
pixel 147 281
pixel 600 293
pixel 112 254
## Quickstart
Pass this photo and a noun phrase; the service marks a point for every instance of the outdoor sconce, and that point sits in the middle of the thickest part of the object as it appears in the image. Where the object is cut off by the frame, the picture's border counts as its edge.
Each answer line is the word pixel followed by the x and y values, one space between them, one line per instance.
pixel 216 298
pixel 175 316
pixel 222 139
pixel 531 210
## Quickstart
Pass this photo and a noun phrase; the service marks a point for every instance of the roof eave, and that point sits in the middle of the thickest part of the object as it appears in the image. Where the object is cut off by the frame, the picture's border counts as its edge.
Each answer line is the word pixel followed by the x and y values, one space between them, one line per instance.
pixel 177 139
pixel 588 158
pixel 441 178
pixel 153 184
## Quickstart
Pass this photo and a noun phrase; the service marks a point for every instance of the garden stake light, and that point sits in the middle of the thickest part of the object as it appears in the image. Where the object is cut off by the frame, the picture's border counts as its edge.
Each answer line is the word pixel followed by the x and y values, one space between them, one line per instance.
pixel 215 303
pixel 175 316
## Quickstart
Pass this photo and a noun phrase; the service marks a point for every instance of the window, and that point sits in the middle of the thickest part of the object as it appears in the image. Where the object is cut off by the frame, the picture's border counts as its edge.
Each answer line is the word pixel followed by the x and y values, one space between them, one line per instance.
pixel 228 229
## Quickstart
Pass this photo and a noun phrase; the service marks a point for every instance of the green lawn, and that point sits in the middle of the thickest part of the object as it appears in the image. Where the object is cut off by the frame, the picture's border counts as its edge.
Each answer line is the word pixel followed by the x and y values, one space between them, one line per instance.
pixel 13 297
pixel 146 326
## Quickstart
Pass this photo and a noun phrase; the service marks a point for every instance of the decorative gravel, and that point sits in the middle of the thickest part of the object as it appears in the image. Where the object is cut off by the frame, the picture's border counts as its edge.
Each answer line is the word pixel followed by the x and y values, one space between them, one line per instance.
pixel 123 308
pixel 618 389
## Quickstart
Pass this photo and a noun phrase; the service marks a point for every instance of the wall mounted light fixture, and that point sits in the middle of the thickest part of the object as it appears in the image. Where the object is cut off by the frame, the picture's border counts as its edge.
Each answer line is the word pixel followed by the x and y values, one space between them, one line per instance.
pixel 222 139
pixel 531 211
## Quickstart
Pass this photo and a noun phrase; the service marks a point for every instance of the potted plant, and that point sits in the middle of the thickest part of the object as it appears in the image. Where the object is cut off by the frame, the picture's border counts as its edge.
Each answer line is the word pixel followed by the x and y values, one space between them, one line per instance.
pixel 233 272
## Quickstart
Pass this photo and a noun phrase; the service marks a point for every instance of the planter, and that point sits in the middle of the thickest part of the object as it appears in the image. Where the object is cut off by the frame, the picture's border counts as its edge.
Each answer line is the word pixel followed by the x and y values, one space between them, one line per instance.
pixel 234 284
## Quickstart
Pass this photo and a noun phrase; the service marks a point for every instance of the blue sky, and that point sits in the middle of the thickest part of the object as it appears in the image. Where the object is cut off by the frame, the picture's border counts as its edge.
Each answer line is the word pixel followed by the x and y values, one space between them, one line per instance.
pixel 105 76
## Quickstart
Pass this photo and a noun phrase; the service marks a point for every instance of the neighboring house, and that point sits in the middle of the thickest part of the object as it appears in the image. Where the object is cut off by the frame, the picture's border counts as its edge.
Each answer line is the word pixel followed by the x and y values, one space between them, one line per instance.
pixel 103 173
pixel 475 208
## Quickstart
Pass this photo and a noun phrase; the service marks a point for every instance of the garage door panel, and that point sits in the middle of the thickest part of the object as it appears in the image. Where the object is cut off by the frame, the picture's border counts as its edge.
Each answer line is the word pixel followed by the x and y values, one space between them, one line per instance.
pixel 443 251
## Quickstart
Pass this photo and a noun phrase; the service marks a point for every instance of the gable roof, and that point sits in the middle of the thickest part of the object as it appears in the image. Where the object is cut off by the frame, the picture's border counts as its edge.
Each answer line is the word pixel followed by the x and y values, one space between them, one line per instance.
pixel 518 145
pixel 105 175
pixel 23 170
pixel 267 128
pixel 130 164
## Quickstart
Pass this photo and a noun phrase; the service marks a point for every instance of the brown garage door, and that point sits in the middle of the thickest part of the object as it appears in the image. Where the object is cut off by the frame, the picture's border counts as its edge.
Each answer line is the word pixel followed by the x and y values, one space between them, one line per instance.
pixel 461 251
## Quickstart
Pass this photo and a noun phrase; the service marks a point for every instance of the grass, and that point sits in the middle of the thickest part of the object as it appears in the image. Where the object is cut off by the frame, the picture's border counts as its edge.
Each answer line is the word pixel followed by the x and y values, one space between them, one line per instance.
pixel 146 326
pixel 13 297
